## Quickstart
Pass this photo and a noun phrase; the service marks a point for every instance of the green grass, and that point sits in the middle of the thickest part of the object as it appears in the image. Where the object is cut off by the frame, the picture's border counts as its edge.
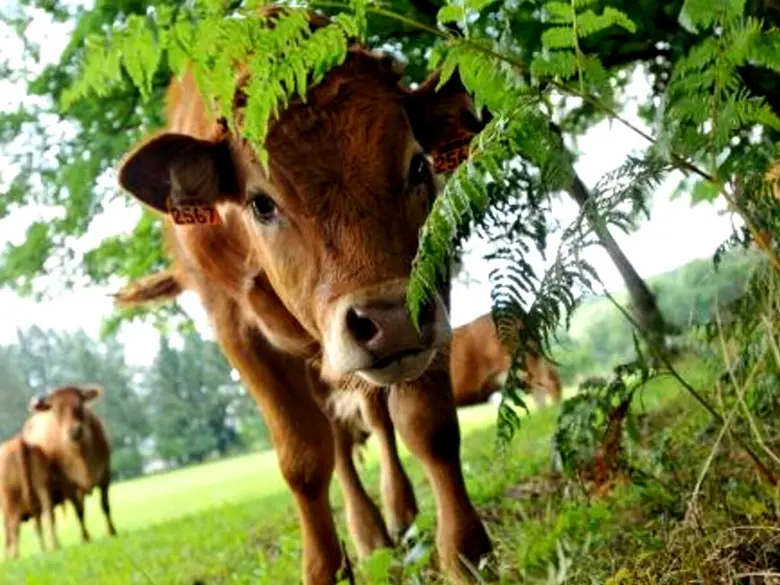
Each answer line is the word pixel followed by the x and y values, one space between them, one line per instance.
pixel 174 526
pixel 233 522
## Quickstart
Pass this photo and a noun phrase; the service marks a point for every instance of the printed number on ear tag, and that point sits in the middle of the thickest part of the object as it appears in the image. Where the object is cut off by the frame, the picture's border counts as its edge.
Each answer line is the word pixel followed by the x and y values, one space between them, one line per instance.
pixel 451 154
pixel 193 212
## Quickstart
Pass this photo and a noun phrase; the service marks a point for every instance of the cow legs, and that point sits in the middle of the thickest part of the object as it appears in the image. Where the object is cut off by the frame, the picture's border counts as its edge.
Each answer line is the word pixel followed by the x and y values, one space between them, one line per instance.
pixel 302 438
pixel 424 414
pixel 39 532
pixel 53 528
pixel 47 509
pixel 105 505
pixel 305 448
pixel 365 523
pixel 396 490
pixel 76 498
pixel 12 525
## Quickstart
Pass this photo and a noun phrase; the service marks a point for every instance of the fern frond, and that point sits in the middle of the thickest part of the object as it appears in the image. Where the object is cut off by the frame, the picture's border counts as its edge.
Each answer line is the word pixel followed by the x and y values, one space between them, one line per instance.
pixel 523 131
pixel 282 60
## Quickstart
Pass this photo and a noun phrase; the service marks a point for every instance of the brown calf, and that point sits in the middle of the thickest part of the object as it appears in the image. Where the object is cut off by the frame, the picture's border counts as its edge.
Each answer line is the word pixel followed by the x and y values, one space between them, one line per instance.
pixel 26 491
pixel 308 268
pixel 479 365
pixel 72 437
pixel 354 418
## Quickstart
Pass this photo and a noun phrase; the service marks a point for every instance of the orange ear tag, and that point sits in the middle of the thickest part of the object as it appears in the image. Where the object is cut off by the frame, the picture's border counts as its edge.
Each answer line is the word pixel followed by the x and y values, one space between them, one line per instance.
pixel 192 212
pixel 447 157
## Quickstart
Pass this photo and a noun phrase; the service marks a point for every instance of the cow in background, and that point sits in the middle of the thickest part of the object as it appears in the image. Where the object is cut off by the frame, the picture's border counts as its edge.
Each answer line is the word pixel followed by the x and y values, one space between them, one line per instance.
pixel 479 364
pixel 27 490
pixel 71 436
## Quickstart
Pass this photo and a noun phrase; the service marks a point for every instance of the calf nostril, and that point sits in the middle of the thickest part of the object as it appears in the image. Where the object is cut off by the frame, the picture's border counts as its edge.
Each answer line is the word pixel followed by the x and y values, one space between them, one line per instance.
pixel 363 328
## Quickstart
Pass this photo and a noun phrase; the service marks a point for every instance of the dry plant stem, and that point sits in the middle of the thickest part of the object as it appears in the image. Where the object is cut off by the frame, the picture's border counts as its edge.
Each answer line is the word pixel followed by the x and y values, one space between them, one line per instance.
pixel 763 469
pixel 772 340
pixel 691 511
pixel 722 403
pixel 741 393
pixel 727 422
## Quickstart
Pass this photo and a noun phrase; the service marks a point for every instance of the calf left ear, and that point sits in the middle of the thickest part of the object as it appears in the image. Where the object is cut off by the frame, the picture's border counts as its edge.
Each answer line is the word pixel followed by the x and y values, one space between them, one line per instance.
pixel 443 116
pixel 39 403
pixel 170 167
pixel 91 393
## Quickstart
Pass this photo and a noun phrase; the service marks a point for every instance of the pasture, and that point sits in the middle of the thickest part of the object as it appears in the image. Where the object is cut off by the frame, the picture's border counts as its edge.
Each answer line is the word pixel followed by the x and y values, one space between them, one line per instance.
pixel 233 522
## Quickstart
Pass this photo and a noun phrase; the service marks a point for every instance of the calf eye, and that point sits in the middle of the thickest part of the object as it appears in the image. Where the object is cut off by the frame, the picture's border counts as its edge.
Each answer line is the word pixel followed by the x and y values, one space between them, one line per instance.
pixel 418 170
pixel 263 208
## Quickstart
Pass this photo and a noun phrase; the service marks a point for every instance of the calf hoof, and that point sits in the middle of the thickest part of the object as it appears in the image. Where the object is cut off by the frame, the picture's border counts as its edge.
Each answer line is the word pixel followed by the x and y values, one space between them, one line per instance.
pixel 401 515
pixel 369 534
pixel 467 557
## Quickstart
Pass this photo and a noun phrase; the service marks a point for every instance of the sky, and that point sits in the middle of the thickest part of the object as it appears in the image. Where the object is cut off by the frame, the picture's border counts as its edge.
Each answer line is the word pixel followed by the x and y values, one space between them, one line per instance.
pixel 675 234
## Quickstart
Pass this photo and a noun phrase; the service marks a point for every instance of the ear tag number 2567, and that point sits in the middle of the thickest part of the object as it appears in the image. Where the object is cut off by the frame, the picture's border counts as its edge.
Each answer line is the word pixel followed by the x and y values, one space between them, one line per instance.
pixel 192 212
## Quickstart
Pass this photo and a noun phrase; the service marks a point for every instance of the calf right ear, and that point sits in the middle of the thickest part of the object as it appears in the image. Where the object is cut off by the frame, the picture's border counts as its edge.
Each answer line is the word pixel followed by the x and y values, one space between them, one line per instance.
pixel 39 403
pixel 178 166
pixel 91 392
pixel 159 287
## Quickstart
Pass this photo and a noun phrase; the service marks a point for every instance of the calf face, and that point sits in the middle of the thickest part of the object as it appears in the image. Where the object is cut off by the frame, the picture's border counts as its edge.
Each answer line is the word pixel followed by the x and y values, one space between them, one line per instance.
pixel 333 224
pixel 67 406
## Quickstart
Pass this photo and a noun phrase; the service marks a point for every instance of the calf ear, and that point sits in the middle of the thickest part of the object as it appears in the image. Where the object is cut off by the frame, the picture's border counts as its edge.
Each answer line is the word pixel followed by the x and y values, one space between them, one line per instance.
pixel 178 166
pixel 443 116
pixel 39 403
pixel 162 286
pixel 90 393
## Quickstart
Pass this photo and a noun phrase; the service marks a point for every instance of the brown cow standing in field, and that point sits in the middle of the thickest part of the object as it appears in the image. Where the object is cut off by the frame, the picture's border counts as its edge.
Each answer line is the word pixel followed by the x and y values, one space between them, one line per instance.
pixel 305 275
pixel 72 437
pixel 479 364
pixel 26 491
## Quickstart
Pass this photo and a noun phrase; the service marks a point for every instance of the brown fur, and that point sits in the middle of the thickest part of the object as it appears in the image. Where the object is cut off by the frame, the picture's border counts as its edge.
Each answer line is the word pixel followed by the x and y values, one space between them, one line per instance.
pixel 478 360
pixel 346 211
pixel 355 416
pixel 84 462
pixel 26 491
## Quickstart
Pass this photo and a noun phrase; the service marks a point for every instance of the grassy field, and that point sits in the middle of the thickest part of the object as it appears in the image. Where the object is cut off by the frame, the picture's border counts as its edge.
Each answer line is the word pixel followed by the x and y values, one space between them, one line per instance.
pixel 233 522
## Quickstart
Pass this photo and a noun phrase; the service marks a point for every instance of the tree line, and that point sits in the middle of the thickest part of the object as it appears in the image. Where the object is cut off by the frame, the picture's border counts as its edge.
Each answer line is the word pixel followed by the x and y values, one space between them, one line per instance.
pixel 688 296
pixel 183 408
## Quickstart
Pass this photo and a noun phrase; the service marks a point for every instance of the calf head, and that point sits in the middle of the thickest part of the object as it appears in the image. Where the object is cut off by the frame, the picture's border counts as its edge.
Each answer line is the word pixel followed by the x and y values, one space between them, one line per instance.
pixel 68 407
pixel 333 225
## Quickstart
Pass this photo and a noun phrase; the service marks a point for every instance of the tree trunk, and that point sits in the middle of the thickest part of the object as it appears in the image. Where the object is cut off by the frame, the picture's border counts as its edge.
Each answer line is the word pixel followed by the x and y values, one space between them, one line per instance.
pixel 643 307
